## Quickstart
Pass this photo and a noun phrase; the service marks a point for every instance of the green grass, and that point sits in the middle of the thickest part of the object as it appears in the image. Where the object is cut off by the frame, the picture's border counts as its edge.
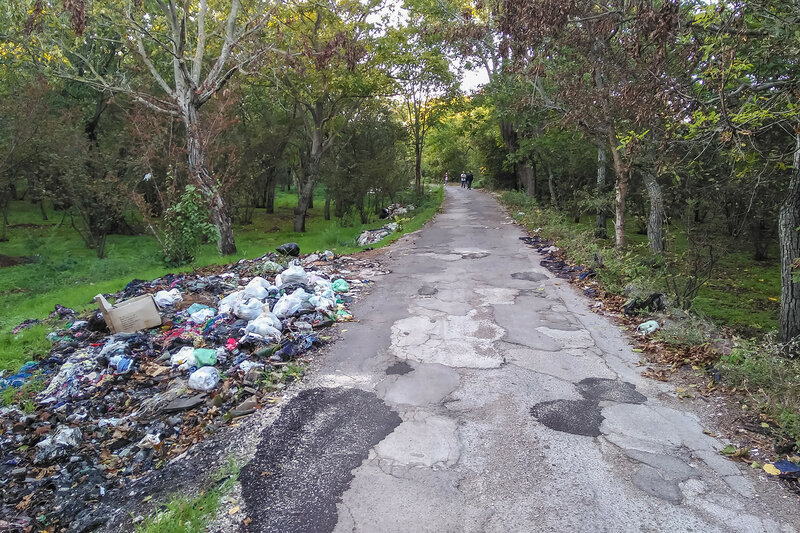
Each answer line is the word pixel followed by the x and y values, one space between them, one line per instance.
pixel 69 274
pixel 743 293
pixel 185 514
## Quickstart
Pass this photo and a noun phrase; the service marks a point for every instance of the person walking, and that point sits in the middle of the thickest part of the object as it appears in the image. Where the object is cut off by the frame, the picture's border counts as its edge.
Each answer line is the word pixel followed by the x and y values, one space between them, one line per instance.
pixel 470 177
pixel 463 180
pixel 446 177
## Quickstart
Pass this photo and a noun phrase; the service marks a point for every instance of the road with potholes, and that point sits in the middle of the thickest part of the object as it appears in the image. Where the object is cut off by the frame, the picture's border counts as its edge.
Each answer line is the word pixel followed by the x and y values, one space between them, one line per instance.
pixel 478 393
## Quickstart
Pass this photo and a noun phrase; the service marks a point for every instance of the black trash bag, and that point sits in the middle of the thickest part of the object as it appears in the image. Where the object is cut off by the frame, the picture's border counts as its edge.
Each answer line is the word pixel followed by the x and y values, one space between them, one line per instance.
pixel 290 248
pixel 654 302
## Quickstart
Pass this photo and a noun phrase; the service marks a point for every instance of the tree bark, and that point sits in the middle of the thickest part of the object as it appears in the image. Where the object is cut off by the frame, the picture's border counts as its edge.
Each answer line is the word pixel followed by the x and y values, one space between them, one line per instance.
pixel 551 186
pixel 220 216
pixel 271 184
pixel 601 230
pixel 620 193
pixel 526 177
pixel 327 211
pixel 789 237
pixel 417 167
pixel 306 190
pixel 655 223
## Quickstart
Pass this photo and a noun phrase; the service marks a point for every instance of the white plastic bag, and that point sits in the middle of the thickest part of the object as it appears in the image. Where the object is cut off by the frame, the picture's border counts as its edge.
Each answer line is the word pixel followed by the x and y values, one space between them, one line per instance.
pixel 294 274
pixel 257 288
pixel 204 379
pixel 262 326
pixel 290 304
pixel 248 309
pixel 227 304
pixel 324 288
pixel 165 298
pixel 200 316
pixel 271 319
pixel 183 359
pixel 321 303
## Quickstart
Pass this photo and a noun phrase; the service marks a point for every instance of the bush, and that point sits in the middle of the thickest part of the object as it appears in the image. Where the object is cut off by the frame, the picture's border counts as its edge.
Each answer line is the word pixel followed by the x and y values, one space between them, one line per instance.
pixel 187 228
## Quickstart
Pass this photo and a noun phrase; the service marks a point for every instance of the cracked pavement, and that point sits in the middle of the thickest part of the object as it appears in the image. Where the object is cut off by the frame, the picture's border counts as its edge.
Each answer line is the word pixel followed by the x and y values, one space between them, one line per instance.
pixel 478 393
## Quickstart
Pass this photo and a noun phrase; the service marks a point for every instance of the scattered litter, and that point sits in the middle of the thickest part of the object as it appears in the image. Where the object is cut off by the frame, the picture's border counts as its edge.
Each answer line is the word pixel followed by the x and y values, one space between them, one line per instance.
pixel 376 235
pixel 290 248
pixel 645 328
pixel 122 393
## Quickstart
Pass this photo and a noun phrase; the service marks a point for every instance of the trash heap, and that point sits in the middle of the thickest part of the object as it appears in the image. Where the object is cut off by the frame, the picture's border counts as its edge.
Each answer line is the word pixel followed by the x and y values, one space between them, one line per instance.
pixel 396 210
pixel 373 236
pixel 115 406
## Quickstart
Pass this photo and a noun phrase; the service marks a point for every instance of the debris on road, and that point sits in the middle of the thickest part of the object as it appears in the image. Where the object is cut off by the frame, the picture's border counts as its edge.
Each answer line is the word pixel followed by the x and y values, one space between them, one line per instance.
pixel 115 406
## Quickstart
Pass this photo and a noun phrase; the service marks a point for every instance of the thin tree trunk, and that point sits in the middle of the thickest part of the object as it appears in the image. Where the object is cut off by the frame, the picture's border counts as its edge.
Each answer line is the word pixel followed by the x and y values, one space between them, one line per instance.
pixel 620 193
pixel 271 184
pixel 220 216
pixel 551 186
pixel 526 178
pixel 655 224
pixel 42 209
pixel 601 231
pixel 788 222
pixel 418 168
pixel 4 208
pixel 327 212
pixel 303 199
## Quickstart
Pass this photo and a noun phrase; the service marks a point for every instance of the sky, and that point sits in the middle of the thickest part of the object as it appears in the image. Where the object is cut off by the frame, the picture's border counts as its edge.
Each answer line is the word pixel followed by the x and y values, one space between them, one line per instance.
pixel 472 80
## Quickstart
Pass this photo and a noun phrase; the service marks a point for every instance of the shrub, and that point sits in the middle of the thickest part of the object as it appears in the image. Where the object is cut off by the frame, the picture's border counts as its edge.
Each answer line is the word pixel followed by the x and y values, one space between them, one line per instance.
pixel 187 228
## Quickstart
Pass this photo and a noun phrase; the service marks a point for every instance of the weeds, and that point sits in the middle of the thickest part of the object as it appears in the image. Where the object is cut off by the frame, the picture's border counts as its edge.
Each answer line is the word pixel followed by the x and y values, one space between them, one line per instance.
pixel 183 514
pixel 770 381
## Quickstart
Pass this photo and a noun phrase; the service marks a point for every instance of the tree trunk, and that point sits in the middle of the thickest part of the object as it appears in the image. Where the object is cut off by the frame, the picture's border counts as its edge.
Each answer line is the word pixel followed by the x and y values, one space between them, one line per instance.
pixel 327 204
pixel 271 193
pixel 42 209
pixel 600 230
pixel 759 235
pixel 303 199
pixel 220 216
pixel 418 168
pixel 655 224
pixel 620 192
pixel 4 207
pixel 526 177
pixel 788 222
pixel 551 186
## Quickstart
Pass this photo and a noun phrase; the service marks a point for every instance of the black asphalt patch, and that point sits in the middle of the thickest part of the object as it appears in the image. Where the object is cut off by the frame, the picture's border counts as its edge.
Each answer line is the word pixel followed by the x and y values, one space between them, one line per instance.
pixel 399 368
pixel 427 290
pixel 304 461
pixel 475 255
pixel 529 276
pixel 579 417
pixel 612 390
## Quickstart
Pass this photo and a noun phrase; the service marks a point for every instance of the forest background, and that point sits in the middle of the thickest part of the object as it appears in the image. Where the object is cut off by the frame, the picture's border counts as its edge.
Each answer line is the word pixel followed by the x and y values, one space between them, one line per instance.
pixel 657 141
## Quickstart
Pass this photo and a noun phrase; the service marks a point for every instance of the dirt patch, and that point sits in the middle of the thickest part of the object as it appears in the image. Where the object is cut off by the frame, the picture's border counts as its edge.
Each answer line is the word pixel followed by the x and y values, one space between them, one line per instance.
pixel 31 225
pixel 10 261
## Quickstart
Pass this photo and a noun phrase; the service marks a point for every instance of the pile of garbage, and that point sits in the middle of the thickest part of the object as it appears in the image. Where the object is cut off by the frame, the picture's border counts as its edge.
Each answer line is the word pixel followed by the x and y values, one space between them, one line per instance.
pixel 374 236
pixel 114 406
pixel 396 210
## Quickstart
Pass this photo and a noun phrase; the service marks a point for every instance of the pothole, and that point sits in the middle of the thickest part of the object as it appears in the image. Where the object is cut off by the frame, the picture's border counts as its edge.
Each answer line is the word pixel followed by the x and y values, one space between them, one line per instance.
pixel 529 276
pixel 578 417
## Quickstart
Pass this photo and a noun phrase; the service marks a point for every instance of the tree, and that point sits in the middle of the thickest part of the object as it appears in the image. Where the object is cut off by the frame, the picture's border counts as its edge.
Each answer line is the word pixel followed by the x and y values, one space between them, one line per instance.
pixel 187 53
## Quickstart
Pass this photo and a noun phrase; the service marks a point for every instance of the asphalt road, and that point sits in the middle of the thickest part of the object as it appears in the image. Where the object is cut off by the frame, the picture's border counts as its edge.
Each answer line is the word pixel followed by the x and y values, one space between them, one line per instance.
pixel 478 393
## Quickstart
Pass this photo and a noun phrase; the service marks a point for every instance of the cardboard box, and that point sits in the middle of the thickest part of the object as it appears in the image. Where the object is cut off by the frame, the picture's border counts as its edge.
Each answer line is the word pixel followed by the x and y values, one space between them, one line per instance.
pixel 131 315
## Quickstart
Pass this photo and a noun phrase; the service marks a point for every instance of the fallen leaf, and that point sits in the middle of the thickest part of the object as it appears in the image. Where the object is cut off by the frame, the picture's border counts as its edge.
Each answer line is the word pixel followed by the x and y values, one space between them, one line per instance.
pixel 769 468
pixel 764 425
pixel 233 510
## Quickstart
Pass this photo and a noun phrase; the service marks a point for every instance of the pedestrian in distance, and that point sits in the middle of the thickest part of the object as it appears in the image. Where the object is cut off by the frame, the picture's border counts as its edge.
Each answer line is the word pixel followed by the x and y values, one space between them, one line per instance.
pixel 463 180
pixel 446 177
pixel 470 177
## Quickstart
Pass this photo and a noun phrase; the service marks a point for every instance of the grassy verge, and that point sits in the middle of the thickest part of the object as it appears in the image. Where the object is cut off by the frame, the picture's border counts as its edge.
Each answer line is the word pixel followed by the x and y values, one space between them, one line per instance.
pixel 69 274
pixel 184 514
pixel 742 296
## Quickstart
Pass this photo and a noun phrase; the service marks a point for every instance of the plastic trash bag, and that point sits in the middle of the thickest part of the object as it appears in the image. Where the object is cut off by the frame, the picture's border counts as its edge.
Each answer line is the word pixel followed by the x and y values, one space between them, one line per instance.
pixel 227 304
pixel 166 298
pixel 263 327
pixel 204 379
pixel 183 358
pixel 290 248
pixel 291 304
pixel 340 285
pixel 321 303
pixel 647 327
pixel 199 313
pixel 271 319
pixel 247 365
pixel 257 288
pixel 272 267
pixel 248 309
pixel 294 274
pixel 205 356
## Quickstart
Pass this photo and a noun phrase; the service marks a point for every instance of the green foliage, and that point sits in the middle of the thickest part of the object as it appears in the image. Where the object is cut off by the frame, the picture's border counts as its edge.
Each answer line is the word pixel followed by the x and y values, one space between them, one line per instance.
pixel 27 345
pixel 186 228
pixel 186 514
pixel 770 381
